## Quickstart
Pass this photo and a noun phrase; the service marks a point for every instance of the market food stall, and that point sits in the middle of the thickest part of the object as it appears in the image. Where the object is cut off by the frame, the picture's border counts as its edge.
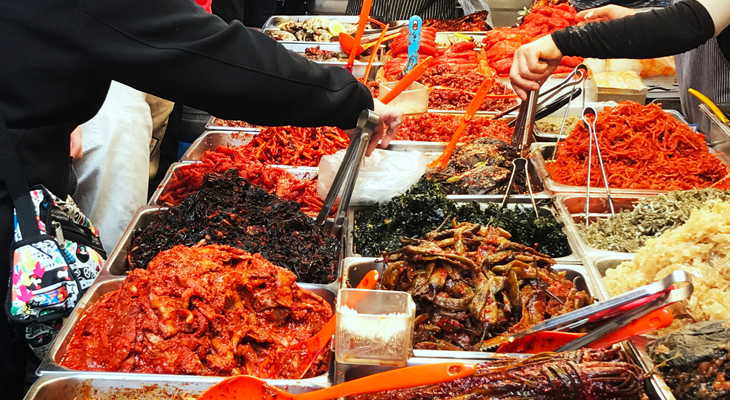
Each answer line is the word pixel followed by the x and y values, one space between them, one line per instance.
pixel 226 269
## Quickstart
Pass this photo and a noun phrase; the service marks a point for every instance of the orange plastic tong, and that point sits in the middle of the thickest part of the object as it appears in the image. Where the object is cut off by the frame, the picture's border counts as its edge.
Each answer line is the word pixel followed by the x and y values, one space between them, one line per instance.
pixel 474 106
pixel 307 351
pixel 250 388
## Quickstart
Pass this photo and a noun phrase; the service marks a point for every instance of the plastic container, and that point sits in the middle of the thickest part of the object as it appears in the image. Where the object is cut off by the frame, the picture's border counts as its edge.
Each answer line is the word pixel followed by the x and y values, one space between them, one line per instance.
pixel 376 328
pixel 620 86
pixel 413 100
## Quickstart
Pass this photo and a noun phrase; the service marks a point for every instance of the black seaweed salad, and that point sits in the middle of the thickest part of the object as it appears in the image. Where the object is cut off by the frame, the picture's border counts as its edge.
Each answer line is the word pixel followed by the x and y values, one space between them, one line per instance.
pixel 425 207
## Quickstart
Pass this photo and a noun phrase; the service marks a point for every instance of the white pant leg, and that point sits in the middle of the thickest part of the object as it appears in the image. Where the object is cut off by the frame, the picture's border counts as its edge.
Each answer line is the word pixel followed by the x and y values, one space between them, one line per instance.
pixel 114 172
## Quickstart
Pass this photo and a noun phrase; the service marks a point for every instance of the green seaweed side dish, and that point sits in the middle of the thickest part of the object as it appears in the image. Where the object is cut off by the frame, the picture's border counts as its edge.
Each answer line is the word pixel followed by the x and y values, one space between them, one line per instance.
pixel 425 207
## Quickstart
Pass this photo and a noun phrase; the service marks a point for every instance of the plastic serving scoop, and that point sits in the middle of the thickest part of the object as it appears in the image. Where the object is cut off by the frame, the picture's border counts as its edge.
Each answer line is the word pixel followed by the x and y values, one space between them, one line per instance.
pixel 250 388
pixel 304 353
pixel 549 341
pixel 407 80
pixel 472 109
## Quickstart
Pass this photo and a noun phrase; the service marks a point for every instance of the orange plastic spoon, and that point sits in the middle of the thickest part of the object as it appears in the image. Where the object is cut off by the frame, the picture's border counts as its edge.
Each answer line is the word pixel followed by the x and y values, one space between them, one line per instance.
pixel 374 55
pixel 472 109
pixel 550 340
pixel 250 388
pixel 407 80
pixel 362 22
pixel 347 43
pixel 304 353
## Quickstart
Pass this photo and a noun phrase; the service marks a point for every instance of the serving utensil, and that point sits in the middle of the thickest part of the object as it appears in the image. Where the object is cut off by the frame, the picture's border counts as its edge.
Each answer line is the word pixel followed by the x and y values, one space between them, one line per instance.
pixel 304 353
pixel 414 43
pixel 364 14
pixel 407 80
pixel 623 309
pixel 709 103
pixel 593 137
pixel 347 42
pixel 251 388
pixel 472 109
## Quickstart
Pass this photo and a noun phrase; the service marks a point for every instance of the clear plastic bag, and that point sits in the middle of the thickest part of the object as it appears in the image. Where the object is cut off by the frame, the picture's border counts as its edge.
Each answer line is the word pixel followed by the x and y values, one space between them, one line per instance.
pixel 382 176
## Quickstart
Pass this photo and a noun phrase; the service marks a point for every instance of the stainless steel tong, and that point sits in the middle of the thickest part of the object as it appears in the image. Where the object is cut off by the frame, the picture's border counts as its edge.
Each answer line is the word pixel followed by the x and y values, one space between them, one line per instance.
pixel 523 128
pixel 347 173
pixel 593 137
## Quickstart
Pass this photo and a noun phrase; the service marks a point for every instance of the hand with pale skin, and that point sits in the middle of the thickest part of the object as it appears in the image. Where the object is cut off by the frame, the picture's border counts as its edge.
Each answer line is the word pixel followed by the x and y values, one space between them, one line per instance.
pixel 535 61
pixel 76 149
pixel 390 120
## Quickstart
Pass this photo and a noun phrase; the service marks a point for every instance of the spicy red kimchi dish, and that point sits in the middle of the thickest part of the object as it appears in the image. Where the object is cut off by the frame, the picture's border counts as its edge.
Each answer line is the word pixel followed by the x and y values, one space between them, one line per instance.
pixel 208 310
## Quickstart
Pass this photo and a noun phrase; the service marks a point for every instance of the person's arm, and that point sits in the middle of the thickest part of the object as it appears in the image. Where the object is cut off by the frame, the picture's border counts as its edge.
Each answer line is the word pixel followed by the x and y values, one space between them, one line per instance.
pixel 656 33
pixel 173 49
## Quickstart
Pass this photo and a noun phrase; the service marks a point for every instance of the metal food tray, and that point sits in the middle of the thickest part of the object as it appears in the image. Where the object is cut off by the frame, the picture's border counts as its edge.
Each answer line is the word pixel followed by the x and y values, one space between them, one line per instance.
pixel 522 200
pixel 571 207
pixel 86 386
pixel 577 112
pixel 346 372
pixel 210 140
pixel 637 345
pixel 117 265
pixel 51 364
pixel 355 268
pixel 275 20
pixel 359 67
pixel 211 126
pixel 543 151
pixel 300 172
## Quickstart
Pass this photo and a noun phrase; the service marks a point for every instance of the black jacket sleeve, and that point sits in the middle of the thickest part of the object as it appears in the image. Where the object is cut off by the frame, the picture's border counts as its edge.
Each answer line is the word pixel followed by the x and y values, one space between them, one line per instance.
pixel 175 50
pixel 672 30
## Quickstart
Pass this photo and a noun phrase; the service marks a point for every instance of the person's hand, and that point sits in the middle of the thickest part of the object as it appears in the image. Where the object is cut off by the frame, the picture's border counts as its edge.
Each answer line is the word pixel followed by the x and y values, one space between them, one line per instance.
pixel 390 120
pixel 605 13
pixel 76 149
pixel 533 63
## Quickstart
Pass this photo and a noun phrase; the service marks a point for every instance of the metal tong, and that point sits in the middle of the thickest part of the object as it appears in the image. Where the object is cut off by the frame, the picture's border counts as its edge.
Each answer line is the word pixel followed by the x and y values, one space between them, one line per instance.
pixel 347 173
pixel 620 311
pixel 581 72
pixel 593 136
pixel 525 123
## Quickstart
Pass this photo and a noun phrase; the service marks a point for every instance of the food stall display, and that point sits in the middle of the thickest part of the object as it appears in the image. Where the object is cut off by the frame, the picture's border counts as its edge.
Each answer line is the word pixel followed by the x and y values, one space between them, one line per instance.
pixel 459 302
pixel 230 269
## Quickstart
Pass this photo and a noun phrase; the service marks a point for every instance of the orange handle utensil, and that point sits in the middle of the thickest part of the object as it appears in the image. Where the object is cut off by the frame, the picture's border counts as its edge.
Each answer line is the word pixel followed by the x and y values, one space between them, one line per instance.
pixel 364 15
pixel 308 351
pixel 472 109
pixel 396 379
pixel 251 388
pixel 407 80
pixel 374 55
pixel 549 341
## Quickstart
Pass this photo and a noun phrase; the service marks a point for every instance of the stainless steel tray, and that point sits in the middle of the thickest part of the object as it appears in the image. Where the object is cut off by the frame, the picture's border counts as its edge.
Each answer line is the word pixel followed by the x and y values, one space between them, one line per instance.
pixel 117 265
pixel 522 200
pixel 346 372
pixel 636 345
pixel 299 172
pixel 359 67
pixel 211 139
pixel 212 126
pixel 86 386
pixel 51 364
pixel 543 151
pixel 572 209
pixel 275 20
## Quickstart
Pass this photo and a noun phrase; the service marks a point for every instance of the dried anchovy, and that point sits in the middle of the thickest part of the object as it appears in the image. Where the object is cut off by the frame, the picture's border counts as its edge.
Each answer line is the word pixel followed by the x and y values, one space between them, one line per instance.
pixel 425 206
pixel 629 230
pixel 229 210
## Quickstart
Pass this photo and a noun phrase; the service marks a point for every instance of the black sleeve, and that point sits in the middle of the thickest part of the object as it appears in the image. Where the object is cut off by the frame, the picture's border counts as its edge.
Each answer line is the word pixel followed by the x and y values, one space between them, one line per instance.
pixel 672 30
pixel 175 50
